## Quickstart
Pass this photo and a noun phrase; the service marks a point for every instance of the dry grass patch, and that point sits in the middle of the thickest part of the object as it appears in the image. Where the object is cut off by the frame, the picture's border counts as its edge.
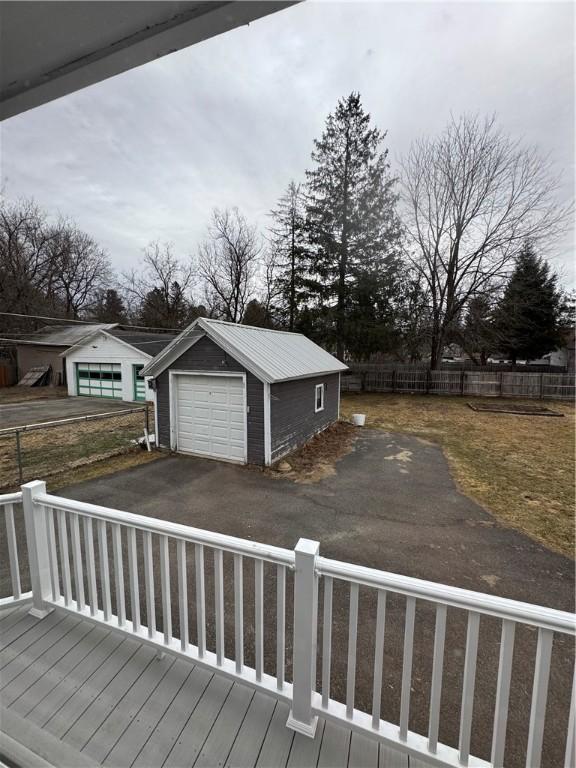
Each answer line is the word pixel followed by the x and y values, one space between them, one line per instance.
pixel 49 451
pixel 9 395
pixel 520 468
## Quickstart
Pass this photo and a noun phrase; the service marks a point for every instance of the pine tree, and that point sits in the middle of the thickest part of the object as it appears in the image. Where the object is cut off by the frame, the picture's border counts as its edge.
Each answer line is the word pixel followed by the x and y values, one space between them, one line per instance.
pixel 351 220
pixel 477 334
pixel 528 316
pixel 290 247
pixel 110 307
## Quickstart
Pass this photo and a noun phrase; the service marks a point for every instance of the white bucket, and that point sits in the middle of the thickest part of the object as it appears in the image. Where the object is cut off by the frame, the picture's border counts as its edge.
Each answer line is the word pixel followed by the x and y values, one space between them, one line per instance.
pixel 358 419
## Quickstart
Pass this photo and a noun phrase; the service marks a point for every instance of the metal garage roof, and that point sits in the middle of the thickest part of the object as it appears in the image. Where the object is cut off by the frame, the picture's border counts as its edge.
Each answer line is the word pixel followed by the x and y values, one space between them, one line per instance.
pixel 270 355
pixel 64 335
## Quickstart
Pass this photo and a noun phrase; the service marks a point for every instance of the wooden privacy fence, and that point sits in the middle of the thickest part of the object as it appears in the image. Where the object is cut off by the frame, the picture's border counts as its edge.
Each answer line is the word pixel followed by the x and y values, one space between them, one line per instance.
pixel 542 386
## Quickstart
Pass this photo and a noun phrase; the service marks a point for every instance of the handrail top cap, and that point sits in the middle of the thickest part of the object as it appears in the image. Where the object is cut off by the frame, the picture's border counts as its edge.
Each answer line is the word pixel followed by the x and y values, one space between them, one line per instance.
pixel 307 547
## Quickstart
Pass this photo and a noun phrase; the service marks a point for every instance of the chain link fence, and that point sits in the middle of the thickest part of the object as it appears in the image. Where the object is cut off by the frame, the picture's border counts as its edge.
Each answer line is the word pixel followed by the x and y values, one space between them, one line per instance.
pixel 43 450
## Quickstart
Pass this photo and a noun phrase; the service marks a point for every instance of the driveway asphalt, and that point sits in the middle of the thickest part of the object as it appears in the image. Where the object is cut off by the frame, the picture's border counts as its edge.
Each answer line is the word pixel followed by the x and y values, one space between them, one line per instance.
pixel 392 504
pixel 40 411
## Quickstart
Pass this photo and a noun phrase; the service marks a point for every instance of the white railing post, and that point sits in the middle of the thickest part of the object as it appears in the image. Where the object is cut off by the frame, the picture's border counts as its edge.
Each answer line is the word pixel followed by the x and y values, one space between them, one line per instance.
pixel 305 633
pixel 38 550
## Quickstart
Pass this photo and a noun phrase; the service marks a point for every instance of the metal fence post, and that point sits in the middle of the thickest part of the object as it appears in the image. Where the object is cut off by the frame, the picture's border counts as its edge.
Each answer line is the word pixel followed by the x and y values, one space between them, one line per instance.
pixel 37 542
pixel 305 635
pixel 19 457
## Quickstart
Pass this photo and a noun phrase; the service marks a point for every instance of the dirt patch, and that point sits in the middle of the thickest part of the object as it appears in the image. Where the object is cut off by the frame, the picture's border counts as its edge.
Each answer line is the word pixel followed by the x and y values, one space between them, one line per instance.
pixel 518 410
pixel 317 458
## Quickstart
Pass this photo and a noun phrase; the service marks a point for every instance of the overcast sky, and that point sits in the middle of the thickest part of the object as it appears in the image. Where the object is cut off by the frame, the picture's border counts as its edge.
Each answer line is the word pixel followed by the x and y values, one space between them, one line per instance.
pixel 147 155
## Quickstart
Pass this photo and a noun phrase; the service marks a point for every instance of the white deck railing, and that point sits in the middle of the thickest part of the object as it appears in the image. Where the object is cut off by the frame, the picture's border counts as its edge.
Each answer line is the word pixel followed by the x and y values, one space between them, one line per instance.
pixel 72 567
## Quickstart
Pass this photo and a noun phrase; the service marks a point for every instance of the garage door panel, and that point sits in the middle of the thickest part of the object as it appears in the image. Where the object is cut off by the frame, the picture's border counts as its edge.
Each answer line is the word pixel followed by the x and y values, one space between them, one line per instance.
pixel 210 416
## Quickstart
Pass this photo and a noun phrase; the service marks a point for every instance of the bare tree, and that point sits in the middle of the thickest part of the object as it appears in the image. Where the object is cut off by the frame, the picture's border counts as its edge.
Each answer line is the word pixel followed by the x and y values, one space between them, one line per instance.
pixel 25 274
pixel 47 268
pixel 228 264
pixel 80 268
pixel 472 197
pixel 160 294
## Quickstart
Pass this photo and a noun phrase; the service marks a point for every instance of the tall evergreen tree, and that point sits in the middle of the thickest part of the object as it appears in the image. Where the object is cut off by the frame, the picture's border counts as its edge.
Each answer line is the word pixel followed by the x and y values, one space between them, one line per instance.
pixel 351 219
pixel 110 307
pixel 290 247
pixel 477 333
pixel 528 316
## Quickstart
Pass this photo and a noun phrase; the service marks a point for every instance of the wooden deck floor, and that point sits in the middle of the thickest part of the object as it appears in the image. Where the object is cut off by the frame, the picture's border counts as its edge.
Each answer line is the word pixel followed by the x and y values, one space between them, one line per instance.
pixel 78 694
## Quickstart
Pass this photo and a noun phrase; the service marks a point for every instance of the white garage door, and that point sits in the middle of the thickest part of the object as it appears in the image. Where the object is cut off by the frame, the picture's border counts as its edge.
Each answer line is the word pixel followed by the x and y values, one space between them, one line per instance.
pixel 210 416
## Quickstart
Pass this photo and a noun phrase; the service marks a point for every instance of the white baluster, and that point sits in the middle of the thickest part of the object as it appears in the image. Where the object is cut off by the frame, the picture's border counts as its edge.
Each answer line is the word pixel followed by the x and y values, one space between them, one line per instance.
pixel 539 696
pixel 90 566
pixel 326 640
pixel 64 558
pixel 378 658
pixel 570 757
pixel 238 614
pixel 104 570
pixel 12 551
pixel 407 666
pixel 468 687
pixel 219 604
pixel 52 554
pixel 280 625
pixel 352 635
pixel 133 576
pixel 200 599
pixel 119 574
pixel 165 588
pixel 503 693
pixel 259 617
pixel 77 561
pixel 182 593
pixel 437 669
pixel 149 583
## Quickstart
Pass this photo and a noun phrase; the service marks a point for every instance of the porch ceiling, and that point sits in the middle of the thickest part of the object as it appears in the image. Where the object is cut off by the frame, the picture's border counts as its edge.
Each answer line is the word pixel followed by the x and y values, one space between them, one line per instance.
pixel 51 48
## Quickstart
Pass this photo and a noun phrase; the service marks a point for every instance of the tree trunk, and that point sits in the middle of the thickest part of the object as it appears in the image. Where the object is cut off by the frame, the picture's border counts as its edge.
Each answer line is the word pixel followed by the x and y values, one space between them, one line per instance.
pixel 343 262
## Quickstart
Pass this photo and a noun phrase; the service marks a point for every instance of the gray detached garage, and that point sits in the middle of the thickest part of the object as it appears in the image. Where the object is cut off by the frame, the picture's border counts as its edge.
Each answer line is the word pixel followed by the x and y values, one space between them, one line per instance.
pixel 243 394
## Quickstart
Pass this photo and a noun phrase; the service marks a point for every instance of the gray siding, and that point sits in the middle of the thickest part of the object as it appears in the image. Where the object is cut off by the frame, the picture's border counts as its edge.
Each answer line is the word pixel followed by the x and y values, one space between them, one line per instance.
pixel 292 416
pixel 205 355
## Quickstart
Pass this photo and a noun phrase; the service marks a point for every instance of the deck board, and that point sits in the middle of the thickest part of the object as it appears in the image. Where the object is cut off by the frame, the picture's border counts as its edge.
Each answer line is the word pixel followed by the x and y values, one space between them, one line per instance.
pixel 223 733
pixel 86 636
pixel 72 710
pixel 363 752
pixel 34 674
pixel 252 733
pixel 278 741
pixel 142 726
pixel 335 746
pixel 110 700
pixel 104 645
pixel 169 728
pixel 110 731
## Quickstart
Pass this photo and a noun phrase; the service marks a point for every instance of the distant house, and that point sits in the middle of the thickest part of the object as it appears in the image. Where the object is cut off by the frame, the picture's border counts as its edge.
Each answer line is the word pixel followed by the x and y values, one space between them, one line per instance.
pixel 46 347
pixel 242 394
pixel 108 362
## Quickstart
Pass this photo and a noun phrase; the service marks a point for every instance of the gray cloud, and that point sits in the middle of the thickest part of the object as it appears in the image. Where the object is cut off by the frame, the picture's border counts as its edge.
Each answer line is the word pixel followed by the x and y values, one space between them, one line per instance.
pixel 230 121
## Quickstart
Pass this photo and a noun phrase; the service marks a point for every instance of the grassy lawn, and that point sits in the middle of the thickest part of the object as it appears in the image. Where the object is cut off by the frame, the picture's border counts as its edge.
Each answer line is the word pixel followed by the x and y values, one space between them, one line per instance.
pixel 520 468
pixel 68 448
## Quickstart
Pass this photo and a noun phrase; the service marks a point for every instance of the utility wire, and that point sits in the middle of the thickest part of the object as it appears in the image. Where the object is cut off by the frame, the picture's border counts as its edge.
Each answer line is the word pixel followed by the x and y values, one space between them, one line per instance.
pixel 88 322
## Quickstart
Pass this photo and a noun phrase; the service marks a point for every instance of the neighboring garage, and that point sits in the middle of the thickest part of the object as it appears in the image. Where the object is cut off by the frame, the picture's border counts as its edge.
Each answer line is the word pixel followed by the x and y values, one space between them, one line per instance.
pixel 108 364
pixel 242 394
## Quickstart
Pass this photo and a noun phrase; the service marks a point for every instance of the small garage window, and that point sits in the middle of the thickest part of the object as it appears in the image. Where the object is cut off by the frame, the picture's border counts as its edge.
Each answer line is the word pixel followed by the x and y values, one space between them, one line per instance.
pixel 139 383
pixel 319 398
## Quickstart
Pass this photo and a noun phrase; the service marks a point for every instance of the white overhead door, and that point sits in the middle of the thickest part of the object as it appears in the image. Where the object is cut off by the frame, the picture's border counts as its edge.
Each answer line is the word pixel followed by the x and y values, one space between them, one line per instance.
pixel 210 415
